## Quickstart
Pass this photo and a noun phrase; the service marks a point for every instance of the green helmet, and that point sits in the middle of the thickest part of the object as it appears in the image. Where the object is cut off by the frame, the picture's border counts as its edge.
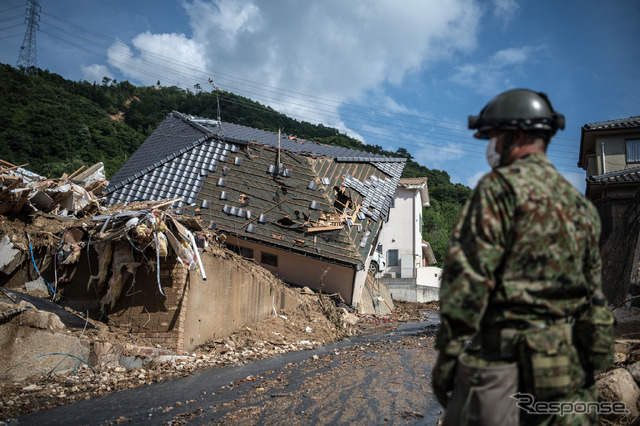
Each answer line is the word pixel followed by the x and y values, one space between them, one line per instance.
pixel 517 109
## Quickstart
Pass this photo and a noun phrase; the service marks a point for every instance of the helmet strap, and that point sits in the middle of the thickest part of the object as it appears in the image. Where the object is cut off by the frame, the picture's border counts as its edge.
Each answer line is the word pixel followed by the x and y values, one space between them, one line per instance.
pixel 507 146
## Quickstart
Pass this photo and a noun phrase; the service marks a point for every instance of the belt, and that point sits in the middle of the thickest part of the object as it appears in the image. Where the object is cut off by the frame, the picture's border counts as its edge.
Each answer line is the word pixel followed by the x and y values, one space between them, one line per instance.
pixel 500 340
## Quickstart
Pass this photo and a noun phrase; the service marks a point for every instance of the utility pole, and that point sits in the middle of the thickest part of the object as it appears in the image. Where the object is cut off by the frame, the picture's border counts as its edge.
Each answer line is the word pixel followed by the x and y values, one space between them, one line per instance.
pixel 217 89
pixel 28 57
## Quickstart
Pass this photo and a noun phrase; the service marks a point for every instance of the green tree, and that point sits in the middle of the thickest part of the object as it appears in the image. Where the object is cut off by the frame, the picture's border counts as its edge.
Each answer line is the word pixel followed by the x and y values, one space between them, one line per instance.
pixel 439 220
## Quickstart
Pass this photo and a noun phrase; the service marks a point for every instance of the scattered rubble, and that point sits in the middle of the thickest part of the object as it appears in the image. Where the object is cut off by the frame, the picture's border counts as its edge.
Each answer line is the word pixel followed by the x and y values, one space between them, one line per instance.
pixel 113 364
pixel 75 194
pixel 621 383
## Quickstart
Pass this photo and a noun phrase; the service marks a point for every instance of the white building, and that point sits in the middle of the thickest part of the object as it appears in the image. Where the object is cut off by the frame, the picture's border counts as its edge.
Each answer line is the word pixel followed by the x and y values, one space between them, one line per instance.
pixel 408 274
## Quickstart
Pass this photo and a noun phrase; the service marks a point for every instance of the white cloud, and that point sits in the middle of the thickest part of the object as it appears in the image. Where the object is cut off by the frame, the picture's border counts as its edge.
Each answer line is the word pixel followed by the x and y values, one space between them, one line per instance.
pixel 472 180
pixel 173 59
pixel 333 50
pixel 505 10
pixel 95 73
pixel 497 72
pixel 435 155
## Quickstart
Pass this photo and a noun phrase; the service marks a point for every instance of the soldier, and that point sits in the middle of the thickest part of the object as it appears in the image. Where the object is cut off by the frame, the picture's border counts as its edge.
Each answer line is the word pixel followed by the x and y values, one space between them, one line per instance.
pixel 523 317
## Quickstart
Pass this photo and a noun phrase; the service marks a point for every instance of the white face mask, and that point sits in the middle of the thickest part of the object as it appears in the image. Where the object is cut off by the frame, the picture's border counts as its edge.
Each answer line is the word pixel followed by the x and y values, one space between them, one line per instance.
pixel 492 156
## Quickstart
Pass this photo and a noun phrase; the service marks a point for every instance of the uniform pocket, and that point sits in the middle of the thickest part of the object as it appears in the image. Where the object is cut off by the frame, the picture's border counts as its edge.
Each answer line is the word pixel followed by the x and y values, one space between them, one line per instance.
pixel 595 337
pixel 547 361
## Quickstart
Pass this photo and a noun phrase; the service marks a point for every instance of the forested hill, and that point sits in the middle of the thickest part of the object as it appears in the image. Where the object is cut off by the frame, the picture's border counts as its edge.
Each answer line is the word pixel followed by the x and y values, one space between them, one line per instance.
pixel 56 125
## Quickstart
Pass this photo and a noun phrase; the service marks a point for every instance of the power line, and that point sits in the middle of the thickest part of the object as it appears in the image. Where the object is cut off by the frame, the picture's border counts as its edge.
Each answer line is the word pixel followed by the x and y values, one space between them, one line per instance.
pixel 270 94
pixel 374 136
pixel 264 87
pixel 11 27
pixel 377 136
pixel 12 17
pixel 11 36
pixel 12 8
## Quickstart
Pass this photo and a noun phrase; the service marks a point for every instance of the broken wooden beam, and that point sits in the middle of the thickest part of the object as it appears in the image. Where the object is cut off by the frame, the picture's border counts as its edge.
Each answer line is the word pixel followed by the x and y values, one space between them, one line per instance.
pixel 323 228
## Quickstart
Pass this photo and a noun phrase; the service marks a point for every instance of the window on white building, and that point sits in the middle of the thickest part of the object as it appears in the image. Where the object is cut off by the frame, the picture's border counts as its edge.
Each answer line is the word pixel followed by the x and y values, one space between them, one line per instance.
pixel 633 150
pixel 392 257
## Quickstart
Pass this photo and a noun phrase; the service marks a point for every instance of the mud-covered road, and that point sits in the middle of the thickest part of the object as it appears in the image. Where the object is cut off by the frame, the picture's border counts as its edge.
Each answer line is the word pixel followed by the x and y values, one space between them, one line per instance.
pixel 375 378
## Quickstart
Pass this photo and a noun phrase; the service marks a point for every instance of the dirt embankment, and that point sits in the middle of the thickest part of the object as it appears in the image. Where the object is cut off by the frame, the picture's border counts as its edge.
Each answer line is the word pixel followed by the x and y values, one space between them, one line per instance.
pixel 121 361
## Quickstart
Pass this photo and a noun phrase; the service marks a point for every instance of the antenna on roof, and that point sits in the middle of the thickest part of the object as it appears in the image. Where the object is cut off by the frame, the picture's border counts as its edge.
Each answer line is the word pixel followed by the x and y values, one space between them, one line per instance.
pixel 278 159
pixel 216 88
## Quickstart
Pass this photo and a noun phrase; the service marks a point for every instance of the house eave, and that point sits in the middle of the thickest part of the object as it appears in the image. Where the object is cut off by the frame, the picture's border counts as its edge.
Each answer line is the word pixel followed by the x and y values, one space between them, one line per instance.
pixel 356 265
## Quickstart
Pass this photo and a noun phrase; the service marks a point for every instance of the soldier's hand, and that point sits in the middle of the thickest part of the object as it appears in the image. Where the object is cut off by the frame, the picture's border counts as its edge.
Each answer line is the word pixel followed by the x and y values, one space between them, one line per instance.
pixel 442 378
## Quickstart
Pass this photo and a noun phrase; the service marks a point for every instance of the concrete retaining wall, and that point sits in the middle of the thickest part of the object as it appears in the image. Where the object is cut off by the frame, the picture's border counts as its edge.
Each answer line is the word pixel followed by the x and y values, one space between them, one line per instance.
pixel 231 296
pixel 406 290
pixel 191 311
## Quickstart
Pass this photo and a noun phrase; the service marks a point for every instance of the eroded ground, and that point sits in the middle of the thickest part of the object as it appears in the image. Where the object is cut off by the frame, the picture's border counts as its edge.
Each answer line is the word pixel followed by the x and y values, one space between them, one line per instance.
pixel 303 329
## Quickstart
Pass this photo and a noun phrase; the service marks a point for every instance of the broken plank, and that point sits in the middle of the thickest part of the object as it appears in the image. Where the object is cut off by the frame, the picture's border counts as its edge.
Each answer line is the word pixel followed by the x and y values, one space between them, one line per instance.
pixel 165 203
pixel 323 228
pixel 76 172
pixel 23 199
pixel 6 163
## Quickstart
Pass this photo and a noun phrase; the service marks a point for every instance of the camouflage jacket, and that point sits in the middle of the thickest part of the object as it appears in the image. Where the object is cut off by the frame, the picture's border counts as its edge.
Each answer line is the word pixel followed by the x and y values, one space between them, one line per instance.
pixel 524 249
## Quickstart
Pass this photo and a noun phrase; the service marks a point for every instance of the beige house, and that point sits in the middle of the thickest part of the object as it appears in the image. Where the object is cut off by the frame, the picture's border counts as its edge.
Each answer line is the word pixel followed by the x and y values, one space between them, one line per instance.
pixel 610 155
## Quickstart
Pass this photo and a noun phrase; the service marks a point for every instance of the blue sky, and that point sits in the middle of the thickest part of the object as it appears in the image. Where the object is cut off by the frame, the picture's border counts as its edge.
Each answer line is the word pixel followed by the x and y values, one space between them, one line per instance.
pixel 395 74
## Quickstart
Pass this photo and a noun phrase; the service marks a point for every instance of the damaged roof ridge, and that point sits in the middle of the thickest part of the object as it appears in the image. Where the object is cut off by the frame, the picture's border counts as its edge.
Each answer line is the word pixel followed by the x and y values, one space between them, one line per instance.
pixel 292 155
pixel 192 123
pixel 296 145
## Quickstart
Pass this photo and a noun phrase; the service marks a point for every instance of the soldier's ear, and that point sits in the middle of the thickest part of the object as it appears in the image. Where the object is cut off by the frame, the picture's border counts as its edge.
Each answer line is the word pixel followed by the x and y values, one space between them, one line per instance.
pixel 520 138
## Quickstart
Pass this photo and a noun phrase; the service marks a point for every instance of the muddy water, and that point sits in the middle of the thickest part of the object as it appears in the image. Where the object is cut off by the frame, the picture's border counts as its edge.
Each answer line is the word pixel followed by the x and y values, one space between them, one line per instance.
pixel 377 378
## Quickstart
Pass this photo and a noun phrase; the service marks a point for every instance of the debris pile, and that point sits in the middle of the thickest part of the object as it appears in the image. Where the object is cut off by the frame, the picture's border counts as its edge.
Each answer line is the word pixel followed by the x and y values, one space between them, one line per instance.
pixel 116 237
pixel 41 245
pixel 303 328
pixel 144 234
pixel 75 194
pixel 115 233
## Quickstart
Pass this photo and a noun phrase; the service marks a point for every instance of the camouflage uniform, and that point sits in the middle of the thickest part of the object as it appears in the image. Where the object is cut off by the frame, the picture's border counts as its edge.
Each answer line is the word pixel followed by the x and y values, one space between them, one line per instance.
pixel 524 256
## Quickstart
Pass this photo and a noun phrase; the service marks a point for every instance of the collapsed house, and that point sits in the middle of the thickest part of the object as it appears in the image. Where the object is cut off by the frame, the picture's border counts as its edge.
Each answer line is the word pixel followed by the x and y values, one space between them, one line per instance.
pixel 152 264
pixel 307 212
pixel 140 268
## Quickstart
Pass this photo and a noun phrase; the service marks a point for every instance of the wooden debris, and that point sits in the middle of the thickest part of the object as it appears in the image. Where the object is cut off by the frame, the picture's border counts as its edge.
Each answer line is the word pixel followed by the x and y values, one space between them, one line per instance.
pixel 21 190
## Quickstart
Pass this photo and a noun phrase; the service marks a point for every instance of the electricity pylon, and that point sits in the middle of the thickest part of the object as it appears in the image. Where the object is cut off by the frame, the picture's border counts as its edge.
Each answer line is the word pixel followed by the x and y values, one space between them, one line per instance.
pixel 28 57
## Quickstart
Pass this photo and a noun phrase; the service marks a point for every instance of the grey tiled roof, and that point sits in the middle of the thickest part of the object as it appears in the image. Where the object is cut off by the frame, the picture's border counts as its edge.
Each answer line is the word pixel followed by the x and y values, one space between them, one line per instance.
pixel 180 132
pixel 620 176
pixel 622 123
pixel 228 175
pixel 180 176
pixel 237 133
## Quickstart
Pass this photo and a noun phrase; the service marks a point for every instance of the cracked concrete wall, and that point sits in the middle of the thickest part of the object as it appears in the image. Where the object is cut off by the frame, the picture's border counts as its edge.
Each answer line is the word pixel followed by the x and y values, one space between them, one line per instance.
pixel 232 296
